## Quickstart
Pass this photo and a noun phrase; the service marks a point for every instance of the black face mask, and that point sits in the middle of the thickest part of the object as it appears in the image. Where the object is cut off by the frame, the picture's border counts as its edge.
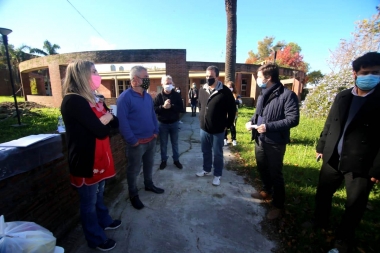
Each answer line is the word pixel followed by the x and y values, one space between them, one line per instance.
pixel 145 83
pixel 210 81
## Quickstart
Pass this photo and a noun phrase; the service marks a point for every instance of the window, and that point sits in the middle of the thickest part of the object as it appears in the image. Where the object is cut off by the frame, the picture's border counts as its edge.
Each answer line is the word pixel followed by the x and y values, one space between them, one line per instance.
pixel 243 87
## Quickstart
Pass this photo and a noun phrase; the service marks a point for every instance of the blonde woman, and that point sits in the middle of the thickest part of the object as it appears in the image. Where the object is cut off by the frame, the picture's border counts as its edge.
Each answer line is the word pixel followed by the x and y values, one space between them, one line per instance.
pixel 88 123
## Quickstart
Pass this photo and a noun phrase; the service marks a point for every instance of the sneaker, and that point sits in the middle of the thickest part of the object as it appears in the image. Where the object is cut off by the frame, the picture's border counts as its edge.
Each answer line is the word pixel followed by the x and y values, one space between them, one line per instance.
pixel 203 173
pixel 343 246
pixel 178 164
pixel 107 245
pixel 216 181
pixel 114 225
pixel 180 122
pixel 163 165
pixel 234 143
pixel 261 195
pixel 225 142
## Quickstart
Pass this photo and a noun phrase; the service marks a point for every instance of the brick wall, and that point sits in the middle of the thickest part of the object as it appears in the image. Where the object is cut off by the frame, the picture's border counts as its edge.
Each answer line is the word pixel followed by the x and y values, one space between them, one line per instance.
pixel 44 195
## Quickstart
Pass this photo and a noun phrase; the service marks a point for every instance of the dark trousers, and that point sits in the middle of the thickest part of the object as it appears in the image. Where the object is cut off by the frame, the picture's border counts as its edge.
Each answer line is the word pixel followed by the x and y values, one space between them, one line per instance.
pixel 358 188
pixel 193 103
pixel 269 160
pixel 233 131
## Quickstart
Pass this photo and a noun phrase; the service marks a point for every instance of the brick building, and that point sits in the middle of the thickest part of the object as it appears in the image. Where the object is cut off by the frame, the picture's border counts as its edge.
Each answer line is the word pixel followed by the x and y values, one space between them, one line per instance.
pixel 115 81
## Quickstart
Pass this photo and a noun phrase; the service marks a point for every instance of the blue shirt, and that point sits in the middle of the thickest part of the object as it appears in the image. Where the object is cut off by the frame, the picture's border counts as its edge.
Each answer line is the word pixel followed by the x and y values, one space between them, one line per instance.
pixel 137 119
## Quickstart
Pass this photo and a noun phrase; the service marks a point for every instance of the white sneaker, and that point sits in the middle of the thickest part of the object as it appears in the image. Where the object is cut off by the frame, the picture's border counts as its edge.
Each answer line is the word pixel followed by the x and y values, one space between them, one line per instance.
pixel 234 143
pixel 225 142
pixel 216 181
pixel 180 122
pixel 203 173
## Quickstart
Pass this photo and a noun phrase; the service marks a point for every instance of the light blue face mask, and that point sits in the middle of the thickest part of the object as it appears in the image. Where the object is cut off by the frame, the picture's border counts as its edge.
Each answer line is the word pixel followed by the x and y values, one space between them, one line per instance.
pixel 367 82
pixel 261 83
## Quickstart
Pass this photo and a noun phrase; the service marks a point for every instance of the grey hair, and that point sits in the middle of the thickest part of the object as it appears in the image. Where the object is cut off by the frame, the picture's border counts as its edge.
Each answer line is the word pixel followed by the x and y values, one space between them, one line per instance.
pixel 164 78
pixel 135 71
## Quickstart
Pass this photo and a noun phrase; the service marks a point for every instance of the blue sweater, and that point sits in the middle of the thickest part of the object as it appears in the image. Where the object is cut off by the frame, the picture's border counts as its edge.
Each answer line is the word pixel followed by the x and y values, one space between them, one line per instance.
pixel 137 119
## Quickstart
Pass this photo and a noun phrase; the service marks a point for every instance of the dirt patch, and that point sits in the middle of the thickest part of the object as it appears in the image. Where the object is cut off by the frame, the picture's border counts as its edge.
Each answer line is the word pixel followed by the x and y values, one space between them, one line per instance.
pixel 8 109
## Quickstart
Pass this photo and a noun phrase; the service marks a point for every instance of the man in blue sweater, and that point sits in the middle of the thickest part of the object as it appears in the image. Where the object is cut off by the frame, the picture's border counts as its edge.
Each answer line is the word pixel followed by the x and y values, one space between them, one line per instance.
pixel 276 112
pixel 138 125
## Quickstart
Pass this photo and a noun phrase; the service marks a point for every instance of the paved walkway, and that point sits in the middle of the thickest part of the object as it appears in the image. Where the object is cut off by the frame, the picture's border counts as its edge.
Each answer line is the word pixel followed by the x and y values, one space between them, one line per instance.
pixel 192 215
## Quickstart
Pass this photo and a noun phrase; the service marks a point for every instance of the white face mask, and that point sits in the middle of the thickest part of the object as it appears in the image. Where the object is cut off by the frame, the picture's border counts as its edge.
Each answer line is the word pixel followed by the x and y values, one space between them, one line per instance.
pixel 178 91
pixel 168 87
pixel 232 89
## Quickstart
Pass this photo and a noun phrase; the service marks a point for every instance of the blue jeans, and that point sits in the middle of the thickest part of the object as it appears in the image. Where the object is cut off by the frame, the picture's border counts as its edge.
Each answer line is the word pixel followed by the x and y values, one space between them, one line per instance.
pixel 141 153
pixel 165 131
pixel 93 213
pixel 212 143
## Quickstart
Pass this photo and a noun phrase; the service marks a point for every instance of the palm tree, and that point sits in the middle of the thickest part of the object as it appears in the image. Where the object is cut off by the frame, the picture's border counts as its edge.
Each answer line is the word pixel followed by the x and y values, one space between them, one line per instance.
pixel 49 49
pixel 231 6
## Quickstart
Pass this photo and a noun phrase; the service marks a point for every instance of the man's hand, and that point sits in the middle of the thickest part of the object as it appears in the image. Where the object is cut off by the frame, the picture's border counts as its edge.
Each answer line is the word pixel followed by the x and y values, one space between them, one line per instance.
pixel 136 144
pixel 155 136
pixel 261 128
pixel 106 118
pixel 167 104
pixel 374 180
pixel 318 156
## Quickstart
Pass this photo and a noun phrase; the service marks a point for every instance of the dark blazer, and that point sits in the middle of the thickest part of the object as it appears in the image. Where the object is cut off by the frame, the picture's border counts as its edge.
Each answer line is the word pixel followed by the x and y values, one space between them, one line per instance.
pixel 191 94
pixel 216 111
pixel 280 113
pixel 83 127
pixel 361 145
pixel 171 115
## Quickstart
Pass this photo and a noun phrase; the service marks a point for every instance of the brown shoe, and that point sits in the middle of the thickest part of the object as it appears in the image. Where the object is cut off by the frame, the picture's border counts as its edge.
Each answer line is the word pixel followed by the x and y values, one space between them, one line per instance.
pixel 274 214
pixel 262 195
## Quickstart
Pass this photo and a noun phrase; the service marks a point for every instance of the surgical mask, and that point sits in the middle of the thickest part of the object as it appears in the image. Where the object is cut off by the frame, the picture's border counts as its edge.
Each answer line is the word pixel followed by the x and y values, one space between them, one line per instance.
pixel 367 82
pixel 194 86
pixel 260 83
pixel 145 83
pixel 95 82
pixel 179 91
pixel 231 89
pixel 168 87
pixel 210 81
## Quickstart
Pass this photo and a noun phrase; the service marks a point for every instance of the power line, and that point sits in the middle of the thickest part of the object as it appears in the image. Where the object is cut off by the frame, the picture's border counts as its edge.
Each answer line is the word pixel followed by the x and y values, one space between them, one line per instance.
pixel 86 19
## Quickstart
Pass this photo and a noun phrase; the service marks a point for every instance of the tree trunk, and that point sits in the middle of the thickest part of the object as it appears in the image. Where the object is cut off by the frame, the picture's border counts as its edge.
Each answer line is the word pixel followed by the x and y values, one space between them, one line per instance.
pixel 231 6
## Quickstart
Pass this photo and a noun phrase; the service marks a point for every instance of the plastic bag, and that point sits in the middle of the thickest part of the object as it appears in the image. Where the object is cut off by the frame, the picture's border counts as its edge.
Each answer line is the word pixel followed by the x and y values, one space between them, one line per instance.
pixel 25 237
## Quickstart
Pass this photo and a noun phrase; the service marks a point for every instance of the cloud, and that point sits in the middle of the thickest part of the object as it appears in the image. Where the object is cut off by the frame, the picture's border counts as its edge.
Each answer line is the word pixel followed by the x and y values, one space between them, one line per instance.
pixel 97 43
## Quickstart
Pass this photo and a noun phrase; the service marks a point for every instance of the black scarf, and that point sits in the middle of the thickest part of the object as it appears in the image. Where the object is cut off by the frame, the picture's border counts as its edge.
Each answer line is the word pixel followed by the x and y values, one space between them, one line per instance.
pixel 264 96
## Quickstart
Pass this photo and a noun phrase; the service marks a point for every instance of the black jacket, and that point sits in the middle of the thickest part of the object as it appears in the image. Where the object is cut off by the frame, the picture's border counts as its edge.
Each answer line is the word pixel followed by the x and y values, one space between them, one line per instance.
pixel 216 111
pixel 280 113
pixel 193 92
pixel 83 127
pixel 361 145
pixel 170 115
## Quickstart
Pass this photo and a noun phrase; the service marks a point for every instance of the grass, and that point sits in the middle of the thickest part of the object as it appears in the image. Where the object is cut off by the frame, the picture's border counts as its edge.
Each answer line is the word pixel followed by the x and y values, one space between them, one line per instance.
pixel 11 99
pixel 301 177
pixel 34 121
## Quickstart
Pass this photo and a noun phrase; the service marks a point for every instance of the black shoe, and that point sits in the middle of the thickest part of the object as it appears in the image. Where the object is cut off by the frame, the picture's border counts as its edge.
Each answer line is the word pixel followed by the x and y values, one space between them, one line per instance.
pixel 114 225
pixel 154 189
pixel 107 245
pixel 178 164
pixel 136 202
pixel 163 165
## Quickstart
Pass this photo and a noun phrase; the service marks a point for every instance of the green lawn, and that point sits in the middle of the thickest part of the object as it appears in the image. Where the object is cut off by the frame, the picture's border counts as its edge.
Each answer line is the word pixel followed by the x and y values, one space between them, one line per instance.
pixel 11 99
pixel 34 121
pixel 301 177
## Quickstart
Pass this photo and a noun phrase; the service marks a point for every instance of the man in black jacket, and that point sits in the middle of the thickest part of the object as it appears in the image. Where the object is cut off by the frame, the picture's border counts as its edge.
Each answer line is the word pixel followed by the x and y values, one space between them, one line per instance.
pixel 276 112
pixel 193 99
pixel 168 105
pixel 350 148
pixel 216 113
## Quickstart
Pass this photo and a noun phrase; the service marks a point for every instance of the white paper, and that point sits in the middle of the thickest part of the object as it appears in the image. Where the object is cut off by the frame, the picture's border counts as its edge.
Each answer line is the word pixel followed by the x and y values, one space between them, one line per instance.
pixel 249 126
pixel 28 140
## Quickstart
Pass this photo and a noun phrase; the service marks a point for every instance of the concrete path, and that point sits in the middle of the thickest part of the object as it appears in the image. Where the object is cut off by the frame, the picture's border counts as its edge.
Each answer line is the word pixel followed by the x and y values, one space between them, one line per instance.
pixel 192 215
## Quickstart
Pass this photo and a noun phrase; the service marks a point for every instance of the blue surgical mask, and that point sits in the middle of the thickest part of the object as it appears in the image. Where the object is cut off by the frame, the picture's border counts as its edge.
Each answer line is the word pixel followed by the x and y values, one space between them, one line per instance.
pixel 260 83
pixel 367 82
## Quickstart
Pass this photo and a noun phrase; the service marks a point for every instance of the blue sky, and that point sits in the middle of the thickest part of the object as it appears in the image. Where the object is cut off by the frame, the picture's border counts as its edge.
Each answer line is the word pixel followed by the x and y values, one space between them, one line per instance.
pixel 199 26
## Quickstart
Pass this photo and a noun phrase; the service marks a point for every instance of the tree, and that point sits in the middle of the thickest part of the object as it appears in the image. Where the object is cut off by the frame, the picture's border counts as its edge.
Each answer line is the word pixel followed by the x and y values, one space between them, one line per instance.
pixel 314 77
pixel 49 49
pixel 365 38
pixel 263 48
pixel 290 56
pixel 231 7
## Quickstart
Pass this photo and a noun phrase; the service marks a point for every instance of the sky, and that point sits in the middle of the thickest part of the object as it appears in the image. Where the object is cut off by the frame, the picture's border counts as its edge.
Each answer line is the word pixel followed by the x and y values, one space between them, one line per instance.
pixel 199 26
